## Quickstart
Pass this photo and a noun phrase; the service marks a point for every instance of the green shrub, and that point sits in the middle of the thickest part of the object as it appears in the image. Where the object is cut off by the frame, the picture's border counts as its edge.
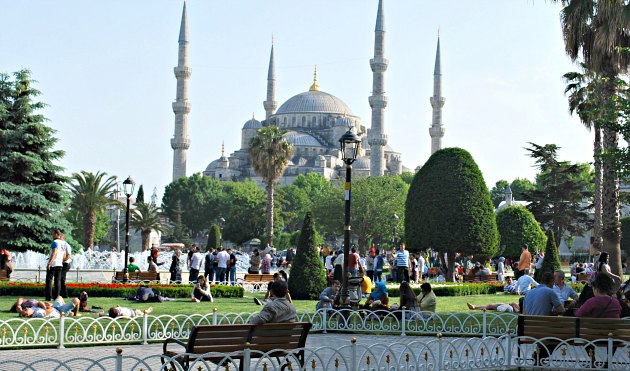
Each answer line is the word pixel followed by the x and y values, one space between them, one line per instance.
pixel 308 277
pixel 517 226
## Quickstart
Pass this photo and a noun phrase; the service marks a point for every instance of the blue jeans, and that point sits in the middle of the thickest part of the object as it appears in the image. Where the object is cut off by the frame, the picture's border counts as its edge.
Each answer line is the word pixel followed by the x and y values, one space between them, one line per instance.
pixel 232 272
pixel 378 275
pixel 63 308
pixel 220 272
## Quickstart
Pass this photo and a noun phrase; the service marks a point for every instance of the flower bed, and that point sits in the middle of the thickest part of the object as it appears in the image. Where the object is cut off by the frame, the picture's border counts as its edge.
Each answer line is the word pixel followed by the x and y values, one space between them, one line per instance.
pixel 115 289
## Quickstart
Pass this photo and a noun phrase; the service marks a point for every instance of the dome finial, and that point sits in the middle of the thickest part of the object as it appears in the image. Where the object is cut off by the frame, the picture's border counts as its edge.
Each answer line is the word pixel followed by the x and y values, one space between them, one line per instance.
pixel 253 116
pixel 223 149
pixel 314 87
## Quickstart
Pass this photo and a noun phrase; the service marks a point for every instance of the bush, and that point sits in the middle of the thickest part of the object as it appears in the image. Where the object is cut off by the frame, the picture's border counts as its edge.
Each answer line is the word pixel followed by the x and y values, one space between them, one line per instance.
pixel 456 290
pixel 517 226
pixel 116 290
pixel 551 262
pixel 214 237
pixel 308 277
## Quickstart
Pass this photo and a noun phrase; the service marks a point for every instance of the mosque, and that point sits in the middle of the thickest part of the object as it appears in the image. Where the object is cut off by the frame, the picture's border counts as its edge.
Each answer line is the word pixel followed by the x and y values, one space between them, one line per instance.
pixel 313 120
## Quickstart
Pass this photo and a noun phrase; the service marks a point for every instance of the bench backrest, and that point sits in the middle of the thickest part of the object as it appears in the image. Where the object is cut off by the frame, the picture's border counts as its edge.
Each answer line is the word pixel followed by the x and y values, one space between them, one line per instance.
pixel 147 276
pixel 600 328
pixel 3 274
pixel 218 338
pixel 286 336
pixel 253 277
pixel 570 327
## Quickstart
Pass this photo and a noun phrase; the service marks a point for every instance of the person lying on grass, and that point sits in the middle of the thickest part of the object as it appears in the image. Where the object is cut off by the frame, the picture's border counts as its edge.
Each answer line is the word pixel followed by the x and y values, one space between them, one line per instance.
pixel 50 310
pixel 118 311
pixel 499 307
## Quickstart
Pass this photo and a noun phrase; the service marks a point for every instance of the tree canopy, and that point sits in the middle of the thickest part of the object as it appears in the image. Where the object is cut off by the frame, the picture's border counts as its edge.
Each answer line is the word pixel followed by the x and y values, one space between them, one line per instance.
pixel 449 208
pixel 517 226
pixel 32 194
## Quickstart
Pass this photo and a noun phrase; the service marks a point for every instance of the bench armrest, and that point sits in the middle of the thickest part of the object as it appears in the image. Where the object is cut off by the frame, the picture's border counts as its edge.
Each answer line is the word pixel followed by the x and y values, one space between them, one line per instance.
pixel 173 340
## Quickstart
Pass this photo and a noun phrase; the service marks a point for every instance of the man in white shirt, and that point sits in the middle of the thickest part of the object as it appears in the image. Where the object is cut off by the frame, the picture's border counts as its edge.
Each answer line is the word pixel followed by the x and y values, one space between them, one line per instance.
pixel 55 265
pixel 561 289
pixel 524 282
pixel 421 263
pixel 195 264
pixel 223 258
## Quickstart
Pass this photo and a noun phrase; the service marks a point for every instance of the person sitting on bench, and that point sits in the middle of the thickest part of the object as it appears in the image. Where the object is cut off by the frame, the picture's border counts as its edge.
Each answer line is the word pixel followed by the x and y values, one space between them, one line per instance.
pixel 278 309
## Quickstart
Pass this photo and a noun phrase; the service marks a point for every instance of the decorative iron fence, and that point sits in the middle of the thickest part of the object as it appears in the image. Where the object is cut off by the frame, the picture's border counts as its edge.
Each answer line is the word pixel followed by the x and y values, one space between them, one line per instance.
pixel 67 331
pixel 489 353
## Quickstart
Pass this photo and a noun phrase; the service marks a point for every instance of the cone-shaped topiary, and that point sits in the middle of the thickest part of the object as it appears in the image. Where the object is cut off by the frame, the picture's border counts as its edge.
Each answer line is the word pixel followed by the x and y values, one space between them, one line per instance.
pixel 214 237
pixel 517 226
pixel 308 276
pixel 551 262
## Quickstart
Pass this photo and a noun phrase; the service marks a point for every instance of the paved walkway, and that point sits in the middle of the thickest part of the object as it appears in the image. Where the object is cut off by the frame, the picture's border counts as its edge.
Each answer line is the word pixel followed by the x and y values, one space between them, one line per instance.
pixel 79 358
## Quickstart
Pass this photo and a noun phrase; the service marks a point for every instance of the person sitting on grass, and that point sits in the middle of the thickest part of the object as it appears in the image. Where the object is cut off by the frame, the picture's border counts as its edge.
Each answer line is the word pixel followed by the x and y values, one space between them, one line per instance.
pixel 408 298
pixel 278 309
pixel 366 283
pixel 132 267
pixel 328 296
pixel 51 310
pixel 118 311
pixel 510 286
pixel 201 291
pixel 427 299
pixel 378 299
pixel 499 307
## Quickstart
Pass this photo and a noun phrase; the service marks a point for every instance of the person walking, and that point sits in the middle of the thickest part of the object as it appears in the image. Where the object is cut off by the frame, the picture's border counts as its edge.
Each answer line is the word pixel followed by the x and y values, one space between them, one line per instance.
pixel 54 267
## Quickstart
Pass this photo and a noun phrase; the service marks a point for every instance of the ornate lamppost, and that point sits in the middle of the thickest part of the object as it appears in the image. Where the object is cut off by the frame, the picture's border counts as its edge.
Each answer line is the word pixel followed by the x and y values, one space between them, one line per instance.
pixel 128 186
pixel 349 150
pixel 394 236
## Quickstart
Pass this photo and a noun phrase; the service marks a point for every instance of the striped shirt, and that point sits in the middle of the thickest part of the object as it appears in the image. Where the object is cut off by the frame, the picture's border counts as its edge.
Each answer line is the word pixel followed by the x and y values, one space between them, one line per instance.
pixel 402 259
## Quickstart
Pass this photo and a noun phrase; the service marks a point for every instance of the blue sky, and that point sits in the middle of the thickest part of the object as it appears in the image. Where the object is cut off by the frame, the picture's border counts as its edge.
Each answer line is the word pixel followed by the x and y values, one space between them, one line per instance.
pixel 105 69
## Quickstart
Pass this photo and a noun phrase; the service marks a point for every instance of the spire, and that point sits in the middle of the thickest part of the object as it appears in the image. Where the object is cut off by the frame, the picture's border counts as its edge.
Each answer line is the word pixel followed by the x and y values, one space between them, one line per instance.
pixel 314 87
pixel 270 103
pixel 223 148
pixel 436 131
pixel 183 28
pixel 438 65
pixel 380 17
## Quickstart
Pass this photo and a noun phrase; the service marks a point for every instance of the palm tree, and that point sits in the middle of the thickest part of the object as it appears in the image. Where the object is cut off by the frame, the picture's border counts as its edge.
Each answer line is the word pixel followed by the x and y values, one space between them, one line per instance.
pixel 147 218
pixel 91 194
pixel 270 153
pixel 585 88
pixel 596 30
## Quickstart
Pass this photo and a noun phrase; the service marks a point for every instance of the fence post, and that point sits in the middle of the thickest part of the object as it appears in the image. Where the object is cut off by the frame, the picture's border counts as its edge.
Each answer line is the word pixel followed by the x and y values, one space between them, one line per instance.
pixel 62 331
pixel 484 323
pixel 78 274
pixel 508 337
pixel 403 321
pixel 353 349
pixel 440 356
pixel 119 360
pixel 39 274
pixel 325 320
pixel 246 357
pixel 214 316
pixel 145 328
pixel 610 352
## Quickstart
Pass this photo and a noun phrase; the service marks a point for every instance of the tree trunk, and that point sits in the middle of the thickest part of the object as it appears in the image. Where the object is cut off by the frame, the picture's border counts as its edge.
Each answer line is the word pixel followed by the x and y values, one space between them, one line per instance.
pixel 450 266
pixel 270 192
pixel 89 225
pixel 146 240
pixel 611 225
pixel 597 201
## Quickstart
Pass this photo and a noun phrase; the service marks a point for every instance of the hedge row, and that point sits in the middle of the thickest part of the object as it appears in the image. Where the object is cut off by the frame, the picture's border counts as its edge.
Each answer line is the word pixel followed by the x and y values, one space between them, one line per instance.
pixel 466 289
pixel 171 291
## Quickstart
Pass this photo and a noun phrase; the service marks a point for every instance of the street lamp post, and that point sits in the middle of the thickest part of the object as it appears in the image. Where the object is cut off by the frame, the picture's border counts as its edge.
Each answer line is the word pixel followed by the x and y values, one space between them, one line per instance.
pixel 117 211
pixel 394 236
pixel 128 186
pixel 349 149
pixel 221 223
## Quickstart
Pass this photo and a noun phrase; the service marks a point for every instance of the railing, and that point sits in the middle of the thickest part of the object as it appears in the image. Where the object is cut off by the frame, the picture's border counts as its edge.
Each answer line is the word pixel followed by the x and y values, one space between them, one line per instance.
pixel 489 353
pixel 68 331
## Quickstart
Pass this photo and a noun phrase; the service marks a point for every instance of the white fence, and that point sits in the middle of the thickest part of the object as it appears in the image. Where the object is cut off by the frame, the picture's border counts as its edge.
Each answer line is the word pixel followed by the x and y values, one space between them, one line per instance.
pixel 440 353
pixel 49 332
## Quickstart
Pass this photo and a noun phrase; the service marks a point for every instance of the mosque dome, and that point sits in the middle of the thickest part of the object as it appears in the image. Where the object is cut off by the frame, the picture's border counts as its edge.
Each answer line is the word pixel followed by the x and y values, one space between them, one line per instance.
pixel 220 163
pixel 361 163
pixel 344 121
pixel 252 124
pixel 301 139
pixel 314 101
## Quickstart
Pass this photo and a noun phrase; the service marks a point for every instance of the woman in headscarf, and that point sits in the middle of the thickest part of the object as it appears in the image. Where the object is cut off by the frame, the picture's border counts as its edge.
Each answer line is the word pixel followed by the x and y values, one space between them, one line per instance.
pixel 379 298
pixel 265 266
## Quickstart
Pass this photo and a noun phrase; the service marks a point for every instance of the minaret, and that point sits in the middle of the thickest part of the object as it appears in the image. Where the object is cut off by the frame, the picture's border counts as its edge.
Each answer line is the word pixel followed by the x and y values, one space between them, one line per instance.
pixel 437 102
pixel 271 104
pixel 378 101
pixel 181 107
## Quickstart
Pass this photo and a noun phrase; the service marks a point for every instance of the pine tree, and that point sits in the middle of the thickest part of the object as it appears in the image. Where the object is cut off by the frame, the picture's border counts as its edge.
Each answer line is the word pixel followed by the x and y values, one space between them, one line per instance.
pixel 140 195
pixel 32 195
pixel 308 276
pixel 214 237
pixel 551 262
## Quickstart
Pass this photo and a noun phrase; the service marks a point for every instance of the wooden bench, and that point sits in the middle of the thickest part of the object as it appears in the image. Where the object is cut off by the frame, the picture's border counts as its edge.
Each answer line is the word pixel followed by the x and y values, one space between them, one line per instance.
pixel 489 278
pixel 564 328
pixel 3 275
pixel 258 277
pixel 136 276
pixel 279 339
pixel 582 277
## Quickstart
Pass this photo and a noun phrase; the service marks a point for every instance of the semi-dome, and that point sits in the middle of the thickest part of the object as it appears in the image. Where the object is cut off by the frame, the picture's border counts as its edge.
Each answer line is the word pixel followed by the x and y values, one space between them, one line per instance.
pixel 301 139
pixel 314 101
pixel 361 163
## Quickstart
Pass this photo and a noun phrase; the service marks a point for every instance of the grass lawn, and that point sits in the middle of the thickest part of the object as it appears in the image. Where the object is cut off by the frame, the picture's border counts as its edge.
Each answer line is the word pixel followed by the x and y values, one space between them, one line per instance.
pixel 246 304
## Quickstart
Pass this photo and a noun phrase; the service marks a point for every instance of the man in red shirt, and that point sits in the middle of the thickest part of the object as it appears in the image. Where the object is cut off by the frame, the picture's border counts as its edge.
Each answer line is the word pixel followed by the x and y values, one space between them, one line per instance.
pixel 353 262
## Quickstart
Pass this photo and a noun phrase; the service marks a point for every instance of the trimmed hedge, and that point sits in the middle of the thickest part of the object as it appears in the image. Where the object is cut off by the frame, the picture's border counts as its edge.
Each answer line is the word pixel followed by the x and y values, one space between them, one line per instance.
pixel 114 290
